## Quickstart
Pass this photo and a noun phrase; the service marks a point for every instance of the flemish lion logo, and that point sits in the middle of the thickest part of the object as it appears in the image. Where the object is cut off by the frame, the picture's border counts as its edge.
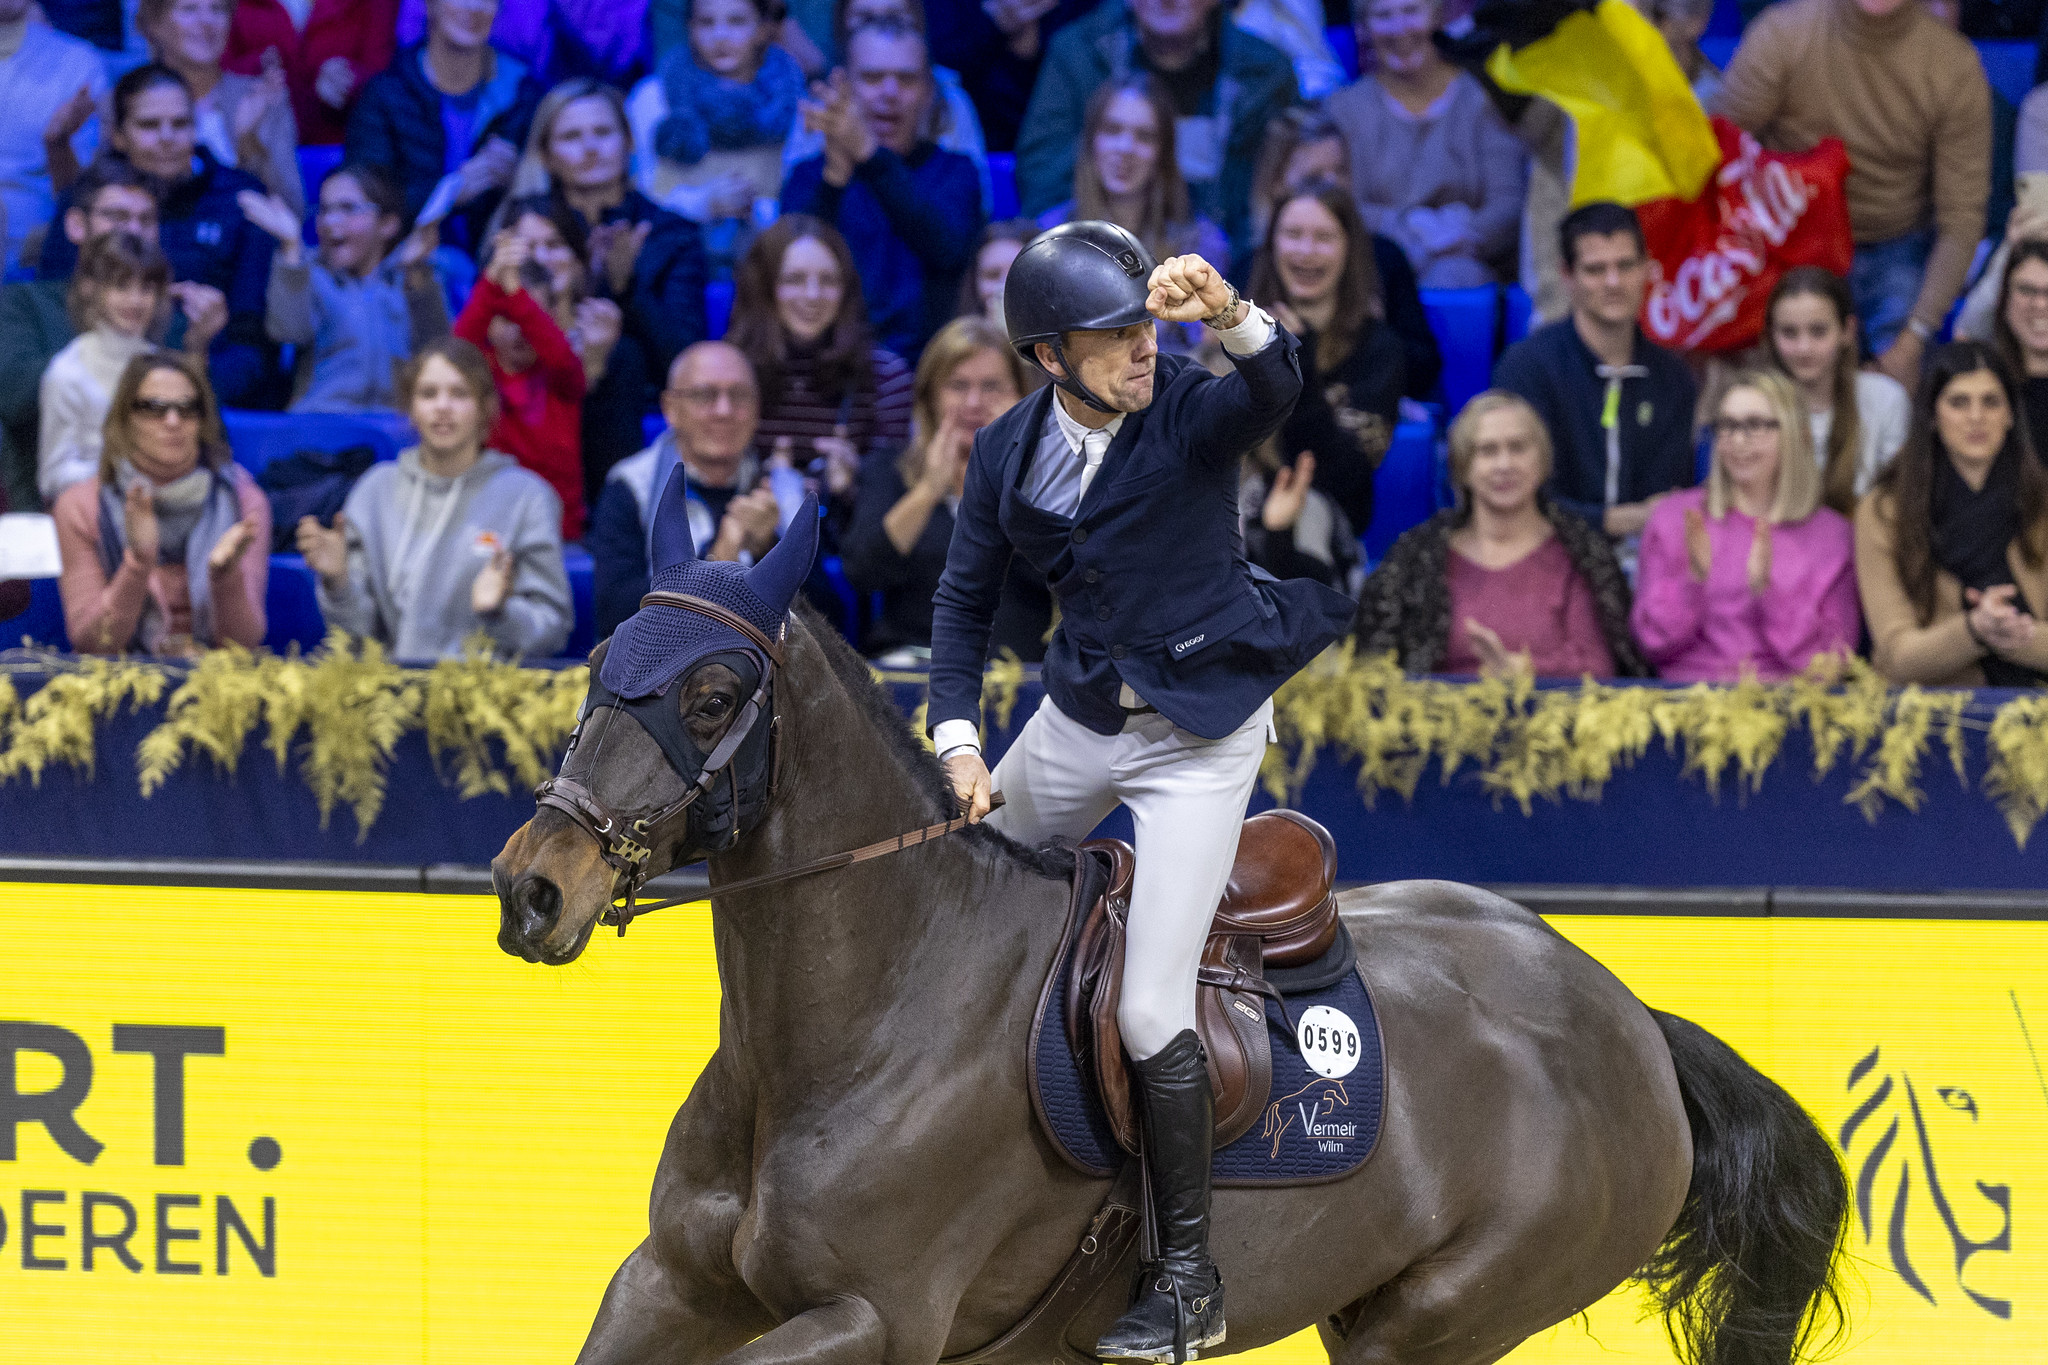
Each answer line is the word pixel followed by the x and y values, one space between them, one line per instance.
pixel 1888 1168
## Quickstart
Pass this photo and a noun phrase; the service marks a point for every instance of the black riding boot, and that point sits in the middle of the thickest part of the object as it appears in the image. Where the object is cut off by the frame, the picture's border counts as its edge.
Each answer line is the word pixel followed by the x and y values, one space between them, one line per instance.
pixel 1177 1303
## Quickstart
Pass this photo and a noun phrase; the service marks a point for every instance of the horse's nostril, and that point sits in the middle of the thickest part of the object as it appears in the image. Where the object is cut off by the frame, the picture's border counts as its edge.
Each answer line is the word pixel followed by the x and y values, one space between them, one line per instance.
pixel 538 902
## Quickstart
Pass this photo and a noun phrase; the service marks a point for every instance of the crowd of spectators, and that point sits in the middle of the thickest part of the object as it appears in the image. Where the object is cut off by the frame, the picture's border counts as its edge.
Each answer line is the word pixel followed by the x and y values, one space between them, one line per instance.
pixel 559 251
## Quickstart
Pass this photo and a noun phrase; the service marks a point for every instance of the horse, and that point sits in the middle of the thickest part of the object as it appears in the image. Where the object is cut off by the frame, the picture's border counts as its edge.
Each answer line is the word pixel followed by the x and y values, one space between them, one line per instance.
pixel 858 1177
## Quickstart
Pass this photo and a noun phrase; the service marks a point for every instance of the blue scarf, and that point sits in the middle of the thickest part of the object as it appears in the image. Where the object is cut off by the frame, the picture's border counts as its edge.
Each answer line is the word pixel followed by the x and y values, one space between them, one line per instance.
pixel 707 112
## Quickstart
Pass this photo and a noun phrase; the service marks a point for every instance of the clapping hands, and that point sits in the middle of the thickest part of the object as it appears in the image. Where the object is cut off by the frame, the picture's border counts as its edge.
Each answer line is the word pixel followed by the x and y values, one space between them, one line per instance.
pixel 325 550
pixel 615 251
pixel 1996 620
pixel 832 113
pixel 1285 499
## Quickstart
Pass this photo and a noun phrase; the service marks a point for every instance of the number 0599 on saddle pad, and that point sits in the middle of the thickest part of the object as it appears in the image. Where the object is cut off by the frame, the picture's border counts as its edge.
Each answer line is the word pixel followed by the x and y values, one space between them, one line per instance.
pixel 1319 1117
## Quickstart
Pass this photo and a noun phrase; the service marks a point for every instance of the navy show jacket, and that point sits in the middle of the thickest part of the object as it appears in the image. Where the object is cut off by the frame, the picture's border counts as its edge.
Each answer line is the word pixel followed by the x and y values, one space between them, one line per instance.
pixel 1151 576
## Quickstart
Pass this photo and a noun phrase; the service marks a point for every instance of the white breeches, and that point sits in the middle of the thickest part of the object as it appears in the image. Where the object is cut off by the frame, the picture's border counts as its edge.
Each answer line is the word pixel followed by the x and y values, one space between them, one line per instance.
pixel 1187 797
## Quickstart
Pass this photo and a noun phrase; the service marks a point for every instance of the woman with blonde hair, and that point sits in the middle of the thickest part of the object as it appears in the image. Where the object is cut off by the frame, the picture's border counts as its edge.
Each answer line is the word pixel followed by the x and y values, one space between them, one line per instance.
pixel 166 550
pixel 643 257
pixel 903 511
pixel 1505 576
pixel 1749 573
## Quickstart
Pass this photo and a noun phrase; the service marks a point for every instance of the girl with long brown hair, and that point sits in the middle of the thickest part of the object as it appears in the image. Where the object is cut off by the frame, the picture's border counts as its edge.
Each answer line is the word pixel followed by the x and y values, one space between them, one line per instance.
pixel 1952 543
pixel 1857 417
pixel 828 393
pixel 1316 271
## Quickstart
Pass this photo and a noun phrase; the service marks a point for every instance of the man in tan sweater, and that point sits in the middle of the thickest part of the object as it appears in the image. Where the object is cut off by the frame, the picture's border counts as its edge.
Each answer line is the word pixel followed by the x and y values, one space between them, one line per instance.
pixel 1908 97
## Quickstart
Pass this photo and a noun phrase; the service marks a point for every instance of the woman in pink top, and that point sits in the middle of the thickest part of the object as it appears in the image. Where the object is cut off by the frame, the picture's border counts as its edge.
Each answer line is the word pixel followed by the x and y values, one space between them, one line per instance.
pixel 167 549
pixel 1503 576
pixel 1748 574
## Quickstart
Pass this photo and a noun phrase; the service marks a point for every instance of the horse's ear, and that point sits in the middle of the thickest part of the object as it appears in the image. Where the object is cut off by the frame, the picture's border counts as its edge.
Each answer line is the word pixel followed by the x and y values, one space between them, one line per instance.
pixel 672 543
pixel 780 575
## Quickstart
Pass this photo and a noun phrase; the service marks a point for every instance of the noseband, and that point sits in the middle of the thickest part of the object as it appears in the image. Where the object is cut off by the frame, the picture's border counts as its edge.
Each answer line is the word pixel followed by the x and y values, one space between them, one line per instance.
pixel 626 845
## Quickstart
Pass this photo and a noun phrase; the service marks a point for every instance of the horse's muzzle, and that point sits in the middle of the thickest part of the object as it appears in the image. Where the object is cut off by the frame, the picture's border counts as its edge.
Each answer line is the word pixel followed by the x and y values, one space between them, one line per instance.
pixel 529 907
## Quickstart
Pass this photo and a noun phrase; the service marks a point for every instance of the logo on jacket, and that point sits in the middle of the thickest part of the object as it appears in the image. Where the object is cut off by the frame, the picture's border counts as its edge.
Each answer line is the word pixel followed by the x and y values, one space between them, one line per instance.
pixel 1185 645
pixel 206 233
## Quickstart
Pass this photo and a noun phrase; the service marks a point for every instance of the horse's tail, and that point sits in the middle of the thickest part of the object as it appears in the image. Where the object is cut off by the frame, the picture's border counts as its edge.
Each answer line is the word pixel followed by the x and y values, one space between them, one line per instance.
pixel 1747 1275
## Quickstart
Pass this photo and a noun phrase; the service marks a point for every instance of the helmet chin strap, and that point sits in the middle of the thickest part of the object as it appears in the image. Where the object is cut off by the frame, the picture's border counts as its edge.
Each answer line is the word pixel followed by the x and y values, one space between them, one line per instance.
pixel 1072 382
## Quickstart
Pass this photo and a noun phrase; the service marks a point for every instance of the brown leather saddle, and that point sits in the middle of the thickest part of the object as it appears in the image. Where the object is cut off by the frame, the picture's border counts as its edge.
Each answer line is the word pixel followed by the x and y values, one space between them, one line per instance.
pixel 1278 911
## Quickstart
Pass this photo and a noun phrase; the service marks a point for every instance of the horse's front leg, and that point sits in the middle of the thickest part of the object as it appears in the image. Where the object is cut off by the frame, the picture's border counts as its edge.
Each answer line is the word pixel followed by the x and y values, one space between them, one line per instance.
pixel 649 1317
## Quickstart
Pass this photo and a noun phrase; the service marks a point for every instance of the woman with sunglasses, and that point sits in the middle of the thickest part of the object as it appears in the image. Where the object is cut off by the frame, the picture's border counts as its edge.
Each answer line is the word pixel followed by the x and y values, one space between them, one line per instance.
pixel 166 550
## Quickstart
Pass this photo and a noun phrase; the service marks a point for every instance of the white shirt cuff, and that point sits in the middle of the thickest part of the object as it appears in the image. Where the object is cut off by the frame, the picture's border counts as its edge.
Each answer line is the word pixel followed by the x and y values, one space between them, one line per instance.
pixel 1250 336
pixel 950 735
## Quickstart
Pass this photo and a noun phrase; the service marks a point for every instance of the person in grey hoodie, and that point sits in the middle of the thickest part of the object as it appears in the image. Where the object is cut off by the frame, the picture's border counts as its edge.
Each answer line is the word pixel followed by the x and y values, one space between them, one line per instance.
pixel 450 540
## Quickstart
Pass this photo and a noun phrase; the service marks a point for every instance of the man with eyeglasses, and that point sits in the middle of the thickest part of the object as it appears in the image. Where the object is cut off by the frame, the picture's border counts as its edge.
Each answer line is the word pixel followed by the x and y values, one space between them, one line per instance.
pixel 712 406
pixel 35 324
pixel 1617 405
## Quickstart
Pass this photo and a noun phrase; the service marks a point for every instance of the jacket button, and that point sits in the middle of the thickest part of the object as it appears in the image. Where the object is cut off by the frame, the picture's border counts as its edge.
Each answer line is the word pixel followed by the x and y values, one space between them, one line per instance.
pixel 1102 613
pixel 1116 651
pixel 1092 576
pixel 1080 535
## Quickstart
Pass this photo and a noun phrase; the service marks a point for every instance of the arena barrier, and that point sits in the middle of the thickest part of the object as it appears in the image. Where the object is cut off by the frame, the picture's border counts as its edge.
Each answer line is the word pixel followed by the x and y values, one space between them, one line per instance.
pixel 282 1127
pixel 1486 783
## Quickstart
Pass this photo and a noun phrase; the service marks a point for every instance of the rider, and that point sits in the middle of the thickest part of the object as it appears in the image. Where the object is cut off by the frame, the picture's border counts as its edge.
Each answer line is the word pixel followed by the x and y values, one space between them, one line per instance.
pixel 1119 484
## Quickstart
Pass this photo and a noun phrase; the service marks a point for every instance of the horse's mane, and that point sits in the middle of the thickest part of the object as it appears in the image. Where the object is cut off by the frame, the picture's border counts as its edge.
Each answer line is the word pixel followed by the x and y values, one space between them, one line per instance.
pixel 884 717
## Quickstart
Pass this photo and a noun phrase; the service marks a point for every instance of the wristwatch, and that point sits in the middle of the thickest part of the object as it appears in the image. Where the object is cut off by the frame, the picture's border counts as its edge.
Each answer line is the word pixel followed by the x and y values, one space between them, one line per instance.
pixel 1214 319
pixel 1920 329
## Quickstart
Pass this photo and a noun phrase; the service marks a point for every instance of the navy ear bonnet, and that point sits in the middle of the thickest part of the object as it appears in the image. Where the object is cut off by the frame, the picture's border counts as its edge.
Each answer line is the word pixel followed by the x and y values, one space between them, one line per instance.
pixel 657 644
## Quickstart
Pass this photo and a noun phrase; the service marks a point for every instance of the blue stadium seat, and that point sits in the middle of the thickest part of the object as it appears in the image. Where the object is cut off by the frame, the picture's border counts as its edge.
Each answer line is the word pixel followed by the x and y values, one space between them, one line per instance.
pixel 1002 179
pixel 582 592
pixel 1343 40
pixel 293 612
pixel 257 438
pixel 1464 322
pixel 833 570
pixel 42 623
pixel 315 165
pixel 294 615
pixel 717 308
pixel 1403 489
pixel 1521 311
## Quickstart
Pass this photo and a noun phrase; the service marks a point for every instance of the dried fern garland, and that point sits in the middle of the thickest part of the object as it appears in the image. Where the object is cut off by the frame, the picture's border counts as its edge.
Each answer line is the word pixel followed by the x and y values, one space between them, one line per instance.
pixel 492 726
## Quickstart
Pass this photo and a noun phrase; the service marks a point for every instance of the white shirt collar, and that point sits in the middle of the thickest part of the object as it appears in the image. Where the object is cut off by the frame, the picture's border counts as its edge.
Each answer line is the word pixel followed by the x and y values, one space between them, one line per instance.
pixel 1076 433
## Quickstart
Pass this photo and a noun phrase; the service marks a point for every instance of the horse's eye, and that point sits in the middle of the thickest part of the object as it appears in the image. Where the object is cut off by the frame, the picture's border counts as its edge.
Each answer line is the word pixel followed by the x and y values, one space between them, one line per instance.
pixel 715 706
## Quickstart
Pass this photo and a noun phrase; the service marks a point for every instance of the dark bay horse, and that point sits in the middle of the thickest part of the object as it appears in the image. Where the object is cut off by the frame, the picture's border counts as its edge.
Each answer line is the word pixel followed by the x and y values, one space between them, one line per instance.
pixel 857 1178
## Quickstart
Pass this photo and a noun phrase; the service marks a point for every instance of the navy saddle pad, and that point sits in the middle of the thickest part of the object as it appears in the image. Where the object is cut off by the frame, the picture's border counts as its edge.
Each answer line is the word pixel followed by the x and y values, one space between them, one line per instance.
pixel 1321 1121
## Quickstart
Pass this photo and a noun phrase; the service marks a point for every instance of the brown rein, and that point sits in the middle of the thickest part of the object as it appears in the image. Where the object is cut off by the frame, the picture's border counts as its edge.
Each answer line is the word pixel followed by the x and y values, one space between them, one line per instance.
pixel 831 862
pixel 628 858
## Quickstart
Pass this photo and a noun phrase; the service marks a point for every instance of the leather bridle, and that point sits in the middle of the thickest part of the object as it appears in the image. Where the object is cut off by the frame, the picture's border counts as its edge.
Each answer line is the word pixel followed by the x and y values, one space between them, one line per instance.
pixel 627 845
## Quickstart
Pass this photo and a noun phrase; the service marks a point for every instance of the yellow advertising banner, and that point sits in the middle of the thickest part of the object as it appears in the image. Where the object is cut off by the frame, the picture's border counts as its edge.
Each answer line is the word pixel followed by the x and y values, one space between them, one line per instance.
pixel 253 1126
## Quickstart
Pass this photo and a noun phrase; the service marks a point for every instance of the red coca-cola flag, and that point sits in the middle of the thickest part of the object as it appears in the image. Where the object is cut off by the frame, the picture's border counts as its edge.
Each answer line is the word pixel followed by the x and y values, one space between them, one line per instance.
pixel 1715 259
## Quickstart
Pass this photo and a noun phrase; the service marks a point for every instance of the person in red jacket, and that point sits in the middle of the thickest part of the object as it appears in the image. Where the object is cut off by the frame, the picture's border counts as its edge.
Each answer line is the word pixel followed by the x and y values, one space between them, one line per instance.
pixel 327 61
pixel 539 377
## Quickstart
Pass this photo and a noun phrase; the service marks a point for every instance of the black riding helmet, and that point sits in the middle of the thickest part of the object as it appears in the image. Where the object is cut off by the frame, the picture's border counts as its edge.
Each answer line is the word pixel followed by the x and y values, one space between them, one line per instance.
pixel 1079 277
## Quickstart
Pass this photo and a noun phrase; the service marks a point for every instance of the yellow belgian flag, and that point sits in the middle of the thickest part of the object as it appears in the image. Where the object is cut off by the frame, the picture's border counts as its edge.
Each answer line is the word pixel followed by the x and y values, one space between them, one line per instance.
pixel 1641 132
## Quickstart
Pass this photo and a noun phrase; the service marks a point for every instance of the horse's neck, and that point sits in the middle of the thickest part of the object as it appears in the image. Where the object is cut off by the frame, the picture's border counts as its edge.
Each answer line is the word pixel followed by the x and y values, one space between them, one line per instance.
pixel 823 971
